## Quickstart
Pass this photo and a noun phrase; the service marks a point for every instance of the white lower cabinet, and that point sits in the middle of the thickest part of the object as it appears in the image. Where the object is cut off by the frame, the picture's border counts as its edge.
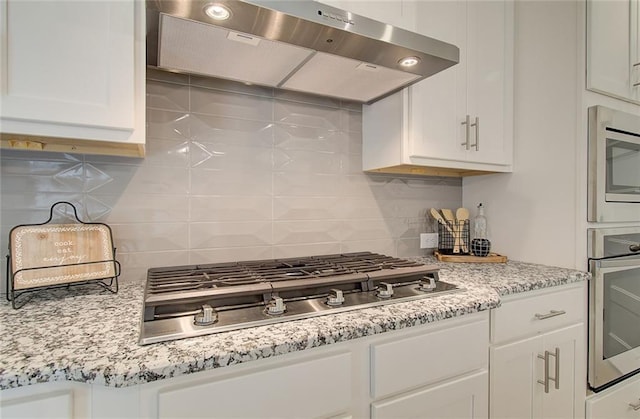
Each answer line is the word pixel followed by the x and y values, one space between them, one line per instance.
pixel 620 401
pixel 47 400
pixel 525 385
pixel 432 371
pixel 310 388
pixel 442 374
pixel 541 374
pixel 464 397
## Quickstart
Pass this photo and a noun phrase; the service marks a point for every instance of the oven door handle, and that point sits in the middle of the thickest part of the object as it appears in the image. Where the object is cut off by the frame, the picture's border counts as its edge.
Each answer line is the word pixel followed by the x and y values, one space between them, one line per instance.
pixel 620 262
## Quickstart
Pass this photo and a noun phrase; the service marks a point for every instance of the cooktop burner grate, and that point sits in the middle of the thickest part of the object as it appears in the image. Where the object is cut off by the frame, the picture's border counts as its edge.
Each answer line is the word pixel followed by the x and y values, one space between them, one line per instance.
pixel 201 299
pixel 186 278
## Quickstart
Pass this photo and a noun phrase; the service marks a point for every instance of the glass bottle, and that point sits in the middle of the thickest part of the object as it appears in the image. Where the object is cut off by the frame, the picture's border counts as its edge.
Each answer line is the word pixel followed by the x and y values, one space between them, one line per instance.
pixel 480 224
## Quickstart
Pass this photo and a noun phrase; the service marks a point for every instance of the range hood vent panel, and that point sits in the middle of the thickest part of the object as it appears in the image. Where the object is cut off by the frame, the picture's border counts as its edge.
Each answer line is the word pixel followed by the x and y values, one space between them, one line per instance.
pixel 206 49
pixel 330 75
pixel 286 36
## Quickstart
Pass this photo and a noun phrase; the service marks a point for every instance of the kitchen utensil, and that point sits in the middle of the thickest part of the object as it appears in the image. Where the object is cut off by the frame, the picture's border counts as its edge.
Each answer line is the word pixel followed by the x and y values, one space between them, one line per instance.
pixel 435 214
pixel 462 215
pixel 448 215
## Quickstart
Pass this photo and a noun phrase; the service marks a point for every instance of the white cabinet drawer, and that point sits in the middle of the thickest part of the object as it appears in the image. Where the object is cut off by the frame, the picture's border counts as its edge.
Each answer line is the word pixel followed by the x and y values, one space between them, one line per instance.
pixel 54 405
pixel 528 315
pixel 312 388
pixel 465 397
pixel 616 402
pixel 423 359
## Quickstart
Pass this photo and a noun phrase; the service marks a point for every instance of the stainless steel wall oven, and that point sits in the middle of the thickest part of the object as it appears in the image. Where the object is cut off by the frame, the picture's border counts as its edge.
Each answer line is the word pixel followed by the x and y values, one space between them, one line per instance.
pixel 614 166
pixel 614 305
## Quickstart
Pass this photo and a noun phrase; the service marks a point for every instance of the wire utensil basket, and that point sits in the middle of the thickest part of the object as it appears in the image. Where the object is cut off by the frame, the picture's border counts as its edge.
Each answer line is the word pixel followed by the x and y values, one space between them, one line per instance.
pixel 454 237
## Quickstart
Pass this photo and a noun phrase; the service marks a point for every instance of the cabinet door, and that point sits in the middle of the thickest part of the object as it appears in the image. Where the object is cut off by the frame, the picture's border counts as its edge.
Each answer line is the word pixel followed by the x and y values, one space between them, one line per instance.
pixel 489 74
pixel 69 62
pixel 518 375
pixel 513 369
pixel 479 86
pixel 620 401
pixel 613 42
pixel 465 397
pixel 61 399
pixel 438 104
pixel 310 388
pixel 56 405
pixel 563 399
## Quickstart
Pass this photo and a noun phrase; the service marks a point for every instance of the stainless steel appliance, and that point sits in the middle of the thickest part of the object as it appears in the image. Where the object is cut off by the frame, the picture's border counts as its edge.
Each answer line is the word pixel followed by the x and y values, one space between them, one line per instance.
pixel 614 305
pixel 299 45
pixel 194 300
pixel 614 165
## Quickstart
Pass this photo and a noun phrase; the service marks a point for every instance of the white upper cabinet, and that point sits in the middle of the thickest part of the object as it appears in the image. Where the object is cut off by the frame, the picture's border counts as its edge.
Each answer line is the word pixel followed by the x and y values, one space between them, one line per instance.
pixel 458 122
pixel 73 76
pixel 613 48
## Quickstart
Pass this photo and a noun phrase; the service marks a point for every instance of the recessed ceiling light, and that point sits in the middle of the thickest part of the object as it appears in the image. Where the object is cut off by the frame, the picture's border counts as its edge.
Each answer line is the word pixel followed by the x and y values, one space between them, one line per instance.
pixel 409 61
pixel 217 11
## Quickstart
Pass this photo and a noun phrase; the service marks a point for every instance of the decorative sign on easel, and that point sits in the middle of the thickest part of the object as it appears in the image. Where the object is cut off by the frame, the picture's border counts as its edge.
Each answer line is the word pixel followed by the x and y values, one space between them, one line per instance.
pixel 50 255
pixel 60 253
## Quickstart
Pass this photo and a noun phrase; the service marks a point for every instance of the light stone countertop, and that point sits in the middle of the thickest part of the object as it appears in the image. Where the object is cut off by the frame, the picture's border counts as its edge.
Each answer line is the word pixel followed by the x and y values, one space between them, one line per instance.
pixel 89 335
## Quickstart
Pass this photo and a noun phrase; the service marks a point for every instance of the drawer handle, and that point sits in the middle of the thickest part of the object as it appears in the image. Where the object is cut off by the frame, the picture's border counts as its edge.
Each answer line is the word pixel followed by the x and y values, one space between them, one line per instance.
pixel 552 313
pixel 635 406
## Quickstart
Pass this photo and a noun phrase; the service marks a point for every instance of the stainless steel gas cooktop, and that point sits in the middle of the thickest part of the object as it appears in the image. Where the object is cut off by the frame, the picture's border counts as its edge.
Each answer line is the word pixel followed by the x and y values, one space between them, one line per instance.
pixel 195 300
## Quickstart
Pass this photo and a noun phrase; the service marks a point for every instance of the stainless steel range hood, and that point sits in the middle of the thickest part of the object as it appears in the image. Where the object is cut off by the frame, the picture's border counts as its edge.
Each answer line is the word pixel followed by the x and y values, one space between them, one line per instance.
pixel 298 45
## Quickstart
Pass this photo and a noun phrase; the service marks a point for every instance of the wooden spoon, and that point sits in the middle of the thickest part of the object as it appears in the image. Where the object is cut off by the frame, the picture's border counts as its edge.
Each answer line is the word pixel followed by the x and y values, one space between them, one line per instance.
pixel 435 214
pixel 462 215
pixel 448 215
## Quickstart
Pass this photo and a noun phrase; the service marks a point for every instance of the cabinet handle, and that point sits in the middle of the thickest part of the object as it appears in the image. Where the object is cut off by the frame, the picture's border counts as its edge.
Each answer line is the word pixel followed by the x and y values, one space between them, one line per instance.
pixel 477 143
pixel 636 84
pixel 551 313
pixel 547 376
pixel 467 131
pixel 545 382
pixel 556 379
pixel 635 406
pixel 636 64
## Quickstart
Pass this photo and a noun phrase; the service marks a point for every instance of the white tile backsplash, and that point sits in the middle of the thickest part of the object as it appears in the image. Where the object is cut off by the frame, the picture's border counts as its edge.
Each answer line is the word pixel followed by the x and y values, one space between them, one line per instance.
pixel 307 114
pixel 230 104
pixel 167 96
pixel 231 208
pixel 232 172
pixel 230 234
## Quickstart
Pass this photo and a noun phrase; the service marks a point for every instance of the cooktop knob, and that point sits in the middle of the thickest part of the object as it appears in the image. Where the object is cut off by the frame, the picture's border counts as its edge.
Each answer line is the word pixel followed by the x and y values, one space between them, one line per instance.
pixel 206 317
pixel 336 298
pixel 277 306
pixel 385 290
pixel 428 284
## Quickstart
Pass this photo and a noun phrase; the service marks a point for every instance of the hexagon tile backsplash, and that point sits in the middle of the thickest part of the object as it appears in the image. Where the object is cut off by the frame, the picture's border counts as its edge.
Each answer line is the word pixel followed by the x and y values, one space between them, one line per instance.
pixel 232 172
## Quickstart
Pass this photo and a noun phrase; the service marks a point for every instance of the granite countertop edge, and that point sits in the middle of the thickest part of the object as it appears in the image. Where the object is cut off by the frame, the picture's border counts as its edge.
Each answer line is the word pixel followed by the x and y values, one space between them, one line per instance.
pixel 81 351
